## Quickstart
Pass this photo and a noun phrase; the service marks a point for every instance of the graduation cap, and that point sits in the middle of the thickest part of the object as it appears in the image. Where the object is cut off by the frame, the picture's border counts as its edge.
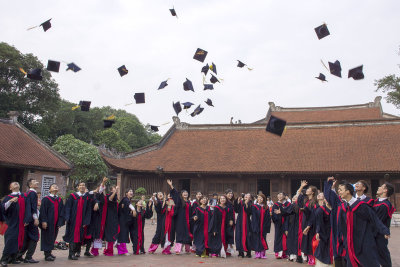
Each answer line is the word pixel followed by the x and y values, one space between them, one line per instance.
pixel 122 70
pixel 188 86
pixel 240 64
pixel 35 74
pixel 209 102
pixel 200 55
pixel 322 31
pixel 154 128
pixel 173 12
pixel 197 111
pixel 321 77
pixel 85 105
pixel 213 79
pixel 139 97
pixel 213 68
pixel 177 107
pixel 46 25
pixel 109 121
pixel 53 66
pixel 208 87
pixel 163 84
pixel 187 105
pixel 335 68
pixel 276 125
pixel 73 67
pixel 356 73
pixel 205 69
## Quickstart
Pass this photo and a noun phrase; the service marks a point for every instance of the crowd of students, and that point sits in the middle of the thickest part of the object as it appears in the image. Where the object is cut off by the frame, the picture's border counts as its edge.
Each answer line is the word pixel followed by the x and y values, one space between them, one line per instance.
pixel 318 228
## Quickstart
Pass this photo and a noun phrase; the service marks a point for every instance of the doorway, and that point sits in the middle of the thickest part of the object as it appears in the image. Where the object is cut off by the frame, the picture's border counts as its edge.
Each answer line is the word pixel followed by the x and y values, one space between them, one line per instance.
pixel 263 185
pixel 184 184
pixel 374 187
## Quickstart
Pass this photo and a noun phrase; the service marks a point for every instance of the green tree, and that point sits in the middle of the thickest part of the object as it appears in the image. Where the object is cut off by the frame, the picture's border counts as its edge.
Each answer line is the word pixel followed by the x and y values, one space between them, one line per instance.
pixel 140 191
pixel 111 139
pixel 391 85
pixel 33 99
pixel 88 164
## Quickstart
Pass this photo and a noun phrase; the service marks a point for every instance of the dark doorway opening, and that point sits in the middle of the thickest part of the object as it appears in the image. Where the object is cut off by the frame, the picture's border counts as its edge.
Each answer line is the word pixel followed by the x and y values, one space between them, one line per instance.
pixel 295 184
pixel 184 184
pixel 8 175
pixel 374 187
pixel 263 185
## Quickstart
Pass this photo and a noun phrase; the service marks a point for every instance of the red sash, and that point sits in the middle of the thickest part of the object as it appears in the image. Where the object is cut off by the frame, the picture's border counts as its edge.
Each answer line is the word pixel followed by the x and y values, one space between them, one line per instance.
pixel 187 219
pixel 78 221
pixel 103 217
pixel 21 227
pixel 55 203
pixel 244 227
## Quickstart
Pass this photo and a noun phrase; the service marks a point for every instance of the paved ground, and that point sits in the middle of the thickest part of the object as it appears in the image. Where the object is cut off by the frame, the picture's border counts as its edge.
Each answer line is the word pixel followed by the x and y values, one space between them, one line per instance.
pixel 182 260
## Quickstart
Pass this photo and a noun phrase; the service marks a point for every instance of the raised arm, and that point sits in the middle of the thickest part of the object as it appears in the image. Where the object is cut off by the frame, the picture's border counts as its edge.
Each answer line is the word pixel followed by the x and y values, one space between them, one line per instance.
pixel 329 193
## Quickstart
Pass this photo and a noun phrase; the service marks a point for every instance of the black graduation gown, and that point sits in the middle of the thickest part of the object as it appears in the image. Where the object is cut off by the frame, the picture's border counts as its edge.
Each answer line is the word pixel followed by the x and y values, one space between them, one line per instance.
pixel 95 221
pixel 51 212
pixel 218 228
pixel 384 210
pixel 337 214
pixel 14 216
pixel 279 221
pixel 89 229
pixel 358 231
pixel 230 232
pixel 157 238
pixel 183 219
pixel 368 200
pixel 242 227
pixel 324 250
pixel 168 226
pixel 137 231
pixel 308 220
pixel 200 229
pixel 292 241
pixel 32 231
pixel 125 220
pixel 260 226
pixel 111 227
pixel 76 215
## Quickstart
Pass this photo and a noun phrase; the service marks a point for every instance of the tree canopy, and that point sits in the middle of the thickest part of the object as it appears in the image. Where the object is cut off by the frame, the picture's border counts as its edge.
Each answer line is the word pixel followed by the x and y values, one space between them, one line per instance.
pixel 391 85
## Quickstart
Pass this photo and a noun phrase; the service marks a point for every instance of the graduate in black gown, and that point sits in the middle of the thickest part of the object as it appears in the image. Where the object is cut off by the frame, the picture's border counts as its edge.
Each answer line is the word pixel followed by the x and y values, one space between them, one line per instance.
pixel 143 212
pixel 308 203
pixel 50 220
pixel 324 251
pixel 260 226
pixel 337 215
pixel 361 189
pixel 279 217
pixel 201 220
pixel 242 207
pixel 293 228
pixel 230 236
pixel 384 210
pixel 195 204
pixel 15 216
pixel 222 218
pixel 160 209
pixel 168 225
pixel 359 229
pixel 31 236
pixel 111 228
pixel 125 219
pixel 183 219
pixel 77 215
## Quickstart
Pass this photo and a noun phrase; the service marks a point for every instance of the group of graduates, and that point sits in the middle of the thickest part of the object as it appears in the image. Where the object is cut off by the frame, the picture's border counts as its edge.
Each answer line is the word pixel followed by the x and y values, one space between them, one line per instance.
pixel 346 226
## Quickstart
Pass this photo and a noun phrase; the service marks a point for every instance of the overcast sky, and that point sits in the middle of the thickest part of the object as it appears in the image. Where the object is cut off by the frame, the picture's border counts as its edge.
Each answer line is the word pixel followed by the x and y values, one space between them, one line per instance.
pixel 274 37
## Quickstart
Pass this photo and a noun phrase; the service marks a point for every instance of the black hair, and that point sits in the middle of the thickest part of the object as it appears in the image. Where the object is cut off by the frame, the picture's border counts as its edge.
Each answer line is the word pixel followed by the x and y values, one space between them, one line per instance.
pixel 347 186
pixel 215 194
pixel 390 189
pixel 28 183
pixel 365 184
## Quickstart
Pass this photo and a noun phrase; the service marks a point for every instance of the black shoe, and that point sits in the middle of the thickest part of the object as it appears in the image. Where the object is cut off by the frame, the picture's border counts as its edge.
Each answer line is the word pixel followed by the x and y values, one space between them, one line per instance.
pixel 241 254
pixel 248 255
pixel 30 261
pixel 3 264
pixel 53 256
pixel 15 262
pixel 20 259
pixel 72 258
pixel 78 254
pixel 299 259
pixel 49 258
pixel 87 254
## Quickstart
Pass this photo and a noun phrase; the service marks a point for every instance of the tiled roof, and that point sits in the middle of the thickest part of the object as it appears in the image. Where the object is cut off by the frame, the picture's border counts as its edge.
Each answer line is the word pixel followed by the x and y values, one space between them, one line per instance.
pixel 21 148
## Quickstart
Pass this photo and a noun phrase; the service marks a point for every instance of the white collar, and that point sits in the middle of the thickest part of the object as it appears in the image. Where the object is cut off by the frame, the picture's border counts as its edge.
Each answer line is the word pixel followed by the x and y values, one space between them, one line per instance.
pixel 32 189
pixel 361 197
pixel 16 193
pixel 352 200
pixel 79 193
pixel 382 198
pixel 51 195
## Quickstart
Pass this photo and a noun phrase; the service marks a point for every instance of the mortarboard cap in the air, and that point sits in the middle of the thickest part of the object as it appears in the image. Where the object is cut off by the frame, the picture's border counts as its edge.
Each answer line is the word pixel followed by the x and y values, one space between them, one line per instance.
pixel 187 85
pixel 213 79
pixel 173 12
pixel 335 68
pixel 73 67
pixel 356 73
pixel 187 105
pixel 154 128
pixel 197 111
pixel 208 87
pixel 209 102
pixel 322 31
pixel 46 25
pixel 122 70
pixel 139 97
pixel 205 69
pixel 85 105
pixel 240 64
pixel 35 74
pixel 200 55
pixel 177 107
pixel 163 85
pixel 213 68
pixel 276 125
pixel 321 77
pixel 53 65
pixel 108 123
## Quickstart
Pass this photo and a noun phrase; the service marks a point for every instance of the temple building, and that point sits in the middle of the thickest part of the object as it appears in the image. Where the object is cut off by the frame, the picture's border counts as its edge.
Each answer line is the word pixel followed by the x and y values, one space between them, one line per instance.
pixel 349 142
